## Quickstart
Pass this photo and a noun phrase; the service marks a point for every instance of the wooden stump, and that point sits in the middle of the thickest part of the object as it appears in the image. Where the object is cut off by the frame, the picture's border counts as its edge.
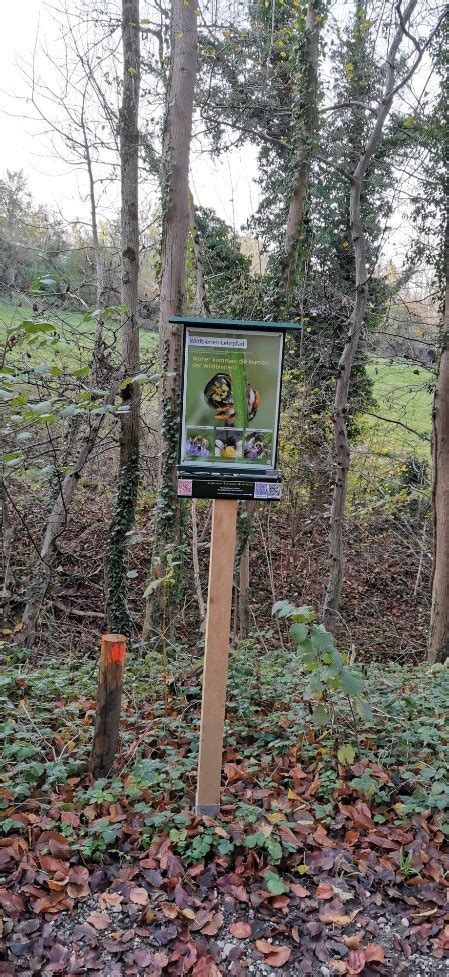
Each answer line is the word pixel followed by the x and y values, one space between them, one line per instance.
pixel 109 701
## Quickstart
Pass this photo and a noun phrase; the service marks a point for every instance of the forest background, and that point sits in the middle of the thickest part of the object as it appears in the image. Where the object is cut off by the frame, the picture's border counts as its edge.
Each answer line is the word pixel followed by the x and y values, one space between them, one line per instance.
pixel 253 160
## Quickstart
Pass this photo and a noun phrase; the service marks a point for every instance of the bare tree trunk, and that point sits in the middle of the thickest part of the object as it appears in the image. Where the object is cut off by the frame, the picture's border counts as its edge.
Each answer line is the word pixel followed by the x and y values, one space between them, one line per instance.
pixel 196 564
pixel 98 258
pixel 7 544
pixel 175 229
pixel 341 442
pixel 43 570
pixel 201 304
pixel 125 506
pixel 304 154
pixel 245 526
pixel 439 616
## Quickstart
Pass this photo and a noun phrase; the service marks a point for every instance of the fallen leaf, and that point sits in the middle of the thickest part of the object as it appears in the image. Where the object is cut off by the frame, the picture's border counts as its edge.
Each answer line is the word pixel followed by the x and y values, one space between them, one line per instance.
pixel 211 928
pixel 206 967
pixel 324 891
pixel 139 896
pixel 355 962
pixel 275 956
pixel 241 931
pixel 99 921
pixel 143 957
pixel 279 956
pixel 374 953
pixel 299 890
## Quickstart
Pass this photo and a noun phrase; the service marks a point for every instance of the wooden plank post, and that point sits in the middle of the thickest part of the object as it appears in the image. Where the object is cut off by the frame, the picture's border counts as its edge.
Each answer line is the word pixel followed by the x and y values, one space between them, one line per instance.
pixel 109 701
pixel 218 624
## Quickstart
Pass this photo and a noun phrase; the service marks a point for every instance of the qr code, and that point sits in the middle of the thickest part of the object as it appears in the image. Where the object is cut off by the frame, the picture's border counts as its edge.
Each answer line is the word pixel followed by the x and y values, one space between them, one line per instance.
pixel 267 490
pixel 274 490
pixel 185 486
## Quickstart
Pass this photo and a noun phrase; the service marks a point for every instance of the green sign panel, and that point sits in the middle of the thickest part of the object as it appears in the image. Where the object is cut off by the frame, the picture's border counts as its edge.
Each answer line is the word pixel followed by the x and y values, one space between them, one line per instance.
pixel 231 394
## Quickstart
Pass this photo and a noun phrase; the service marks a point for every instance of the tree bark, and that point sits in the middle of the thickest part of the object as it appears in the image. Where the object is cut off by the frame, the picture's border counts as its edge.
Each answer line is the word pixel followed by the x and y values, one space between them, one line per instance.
pixel 125 505
pixel 7 543
pixel 175 228
pixel 341 441
pixel 244 531
pixel 306 127
pixel 439 616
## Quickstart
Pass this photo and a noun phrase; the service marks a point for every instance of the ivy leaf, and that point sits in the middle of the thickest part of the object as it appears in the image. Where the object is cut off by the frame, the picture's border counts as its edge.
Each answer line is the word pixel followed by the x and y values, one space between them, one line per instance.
pixel 320 716
pixel 299 633
pixel 351 683
pixel 346 754
pixel 275 884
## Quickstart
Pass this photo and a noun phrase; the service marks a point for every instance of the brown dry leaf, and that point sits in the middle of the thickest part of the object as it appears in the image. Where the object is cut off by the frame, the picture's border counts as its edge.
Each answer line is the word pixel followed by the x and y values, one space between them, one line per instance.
pixel 99 921
pixel 206 967
pixel 333 916
pixel 355 962
pixel 50 904
pixel 169 910
pixel 374 953
pixel 59 882
pixel 109 899
pixel 143 957
pixel 353 942
pixel 139 896
pixel 264 946
pixel 160 959
pixel 324 891
pixel 211 928
pixel 279 956
pixel 241 931
pixel 338 966
pixel 299 890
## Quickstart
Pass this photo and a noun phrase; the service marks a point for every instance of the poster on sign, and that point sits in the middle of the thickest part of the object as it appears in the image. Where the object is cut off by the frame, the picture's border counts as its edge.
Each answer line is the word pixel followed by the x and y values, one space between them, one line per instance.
pixel 231 396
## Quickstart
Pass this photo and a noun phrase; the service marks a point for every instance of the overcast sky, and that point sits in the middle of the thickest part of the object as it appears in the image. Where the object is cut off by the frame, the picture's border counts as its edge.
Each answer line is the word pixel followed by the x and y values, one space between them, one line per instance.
pixel 227 186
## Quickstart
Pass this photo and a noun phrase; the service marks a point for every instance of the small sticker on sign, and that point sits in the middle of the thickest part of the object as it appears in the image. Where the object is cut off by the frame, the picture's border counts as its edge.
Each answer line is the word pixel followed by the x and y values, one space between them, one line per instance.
pixel 267 490
pixel 185 487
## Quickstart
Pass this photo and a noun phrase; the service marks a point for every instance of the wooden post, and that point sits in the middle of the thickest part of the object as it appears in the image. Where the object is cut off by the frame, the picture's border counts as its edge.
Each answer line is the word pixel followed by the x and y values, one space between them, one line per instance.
pixel 109 700
pixel 218 623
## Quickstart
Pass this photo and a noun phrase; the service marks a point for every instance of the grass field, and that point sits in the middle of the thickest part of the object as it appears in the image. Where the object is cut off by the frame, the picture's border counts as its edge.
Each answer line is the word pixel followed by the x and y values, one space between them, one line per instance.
pixel 403 393
pixel 75 334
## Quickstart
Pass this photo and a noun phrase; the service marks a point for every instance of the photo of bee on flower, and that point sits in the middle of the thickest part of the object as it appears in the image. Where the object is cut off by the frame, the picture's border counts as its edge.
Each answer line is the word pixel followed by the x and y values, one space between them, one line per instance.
pixel 257 446
pixel 220 396
pixel 198 446
pixel 228 445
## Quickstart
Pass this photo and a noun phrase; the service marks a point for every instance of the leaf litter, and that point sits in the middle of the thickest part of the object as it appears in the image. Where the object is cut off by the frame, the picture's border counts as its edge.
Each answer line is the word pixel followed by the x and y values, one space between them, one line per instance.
pixel 315 866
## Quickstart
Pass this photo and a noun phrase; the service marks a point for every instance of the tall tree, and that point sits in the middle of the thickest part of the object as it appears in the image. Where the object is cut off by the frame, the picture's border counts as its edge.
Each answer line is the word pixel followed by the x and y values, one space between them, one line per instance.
pixel 175 229
pixel 357 179
pixel 435 219
pixel 439 618
pixel 128 474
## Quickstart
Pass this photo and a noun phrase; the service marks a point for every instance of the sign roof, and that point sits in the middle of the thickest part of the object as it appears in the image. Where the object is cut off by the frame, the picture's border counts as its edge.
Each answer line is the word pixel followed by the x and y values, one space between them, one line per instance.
pixel 238 323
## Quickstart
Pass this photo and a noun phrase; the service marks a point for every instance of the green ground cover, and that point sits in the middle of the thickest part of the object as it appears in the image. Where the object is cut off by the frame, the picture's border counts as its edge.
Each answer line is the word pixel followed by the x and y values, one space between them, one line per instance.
pixel 403 393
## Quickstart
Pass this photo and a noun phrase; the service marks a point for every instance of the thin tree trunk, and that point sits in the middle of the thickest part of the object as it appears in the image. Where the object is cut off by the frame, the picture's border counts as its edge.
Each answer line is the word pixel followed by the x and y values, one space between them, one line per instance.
pixel 201 303
pixel 175 229
pixel 43 570
pixel 99 263
pixel 7 544
pixel 125 506
pixel 439 615
pixel 245 526
pixel 341 441
pixel 196 564
pixel 304 154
